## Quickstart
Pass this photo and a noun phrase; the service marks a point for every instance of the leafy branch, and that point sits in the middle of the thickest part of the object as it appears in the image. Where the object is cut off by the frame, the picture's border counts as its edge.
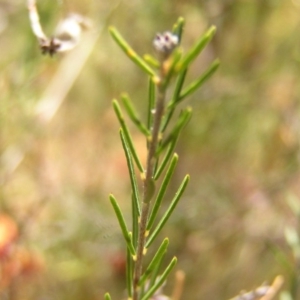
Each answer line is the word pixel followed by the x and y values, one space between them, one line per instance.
pixel 170 65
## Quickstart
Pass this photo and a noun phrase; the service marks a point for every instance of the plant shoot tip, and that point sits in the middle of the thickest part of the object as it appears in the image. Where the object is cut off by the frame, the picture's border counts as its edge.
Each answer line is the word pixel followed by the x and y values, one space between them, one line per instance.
pixel 212 30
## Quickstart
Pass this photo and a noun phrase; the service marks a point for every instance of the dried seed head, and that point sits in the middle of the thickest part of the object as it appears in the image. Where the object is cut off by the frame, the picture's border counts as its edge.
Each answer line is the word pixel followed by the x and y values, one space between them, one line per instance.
pixel 67 34
pixel 50 46
pixel 165 42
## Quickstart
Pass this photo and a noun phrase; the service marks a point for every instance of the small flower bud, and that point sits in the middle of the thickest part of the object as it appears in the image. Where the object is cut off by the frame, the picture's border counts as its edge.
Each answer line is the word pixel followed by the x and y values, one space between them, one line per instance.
pixel 165 42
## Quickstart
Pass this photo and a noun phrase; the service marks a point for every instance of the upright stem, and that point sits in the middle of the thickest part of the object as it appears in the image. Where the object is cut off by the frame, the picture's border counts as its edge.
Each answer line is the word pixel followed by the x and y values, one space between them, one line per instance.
pixel 148 184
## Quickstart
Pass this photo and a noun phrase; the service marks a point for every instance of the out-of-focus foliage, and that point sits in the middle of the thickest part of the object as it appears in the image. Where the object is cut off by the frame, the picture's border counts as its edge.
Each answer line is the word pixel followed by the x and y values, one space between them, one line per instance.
pixel 241 149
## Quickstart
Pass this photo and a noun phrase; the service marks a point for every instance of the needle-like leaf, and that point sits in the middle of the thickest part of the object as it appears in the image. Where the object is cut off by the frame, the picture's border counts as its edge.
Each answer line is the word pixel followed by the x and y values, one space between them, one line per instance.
pixel 181 122
pixel 120 117
pixel 162 191
pixel 135 219
pixel 133 115
pixel 130 52
pixel 160 280
pixel 195 85
pixel 134 185
pixel 151 103
pixel 197 48
pixel 151 60
pixel 126 234
pixel 172 104
pixel 178 28
pixel 155 261
pixel 169 211
pixel 129 273
pixel 166 159
pixel 170 66
pixel 107 296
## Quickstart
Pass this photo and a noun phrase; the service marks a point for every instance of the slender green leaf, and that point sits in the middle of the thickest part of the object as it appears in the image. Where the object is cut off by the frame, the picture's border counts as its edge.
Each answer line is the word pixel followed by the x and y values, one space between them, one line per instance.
pixel 195 85
pixel 141 291
pixel 161 279
pixel 135 218
pixel 133 181
pixel 197 48
pixel 107 296
pixel 171 140
pixel 170 66
pixel 182 121
pixel 133 114
pixel 155 261
pixel 169 211
pixel 166 159
pixel 151 61
pixel 129 273
pixel 155 274
pixel 126 234
pixel 151 103
pixel 179 85
pixel 120 117
pixel 130 52
pixel 178 27
pixel 162 191
pixel 171 106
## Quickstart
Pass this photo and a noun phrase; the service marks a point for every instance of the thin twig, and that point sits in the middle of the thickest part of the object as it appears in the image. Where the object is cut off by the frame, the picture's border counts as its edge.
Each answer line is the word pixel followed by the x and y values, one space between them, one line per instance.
pixel 147 188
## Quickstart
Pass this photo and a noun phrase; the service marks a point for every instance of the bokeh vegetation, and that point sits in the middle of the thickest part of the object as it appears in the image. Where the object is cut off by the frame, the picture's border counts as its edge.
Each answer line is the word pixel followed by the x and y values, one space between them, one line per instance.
pixel 241 149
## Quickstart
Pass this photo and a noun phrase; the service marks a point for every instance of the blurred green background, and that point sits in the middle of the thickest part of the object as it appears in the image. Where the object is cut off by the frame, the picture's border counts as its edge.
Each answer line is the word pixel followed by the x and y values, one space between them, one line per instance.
pixel 241 148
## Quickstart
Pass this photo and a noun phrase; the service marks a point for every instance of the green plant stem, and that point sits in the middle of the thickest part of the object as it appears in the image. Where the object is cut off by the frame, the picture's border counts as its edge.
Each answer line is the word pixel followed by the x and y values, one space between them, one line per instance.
pixel 148 188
